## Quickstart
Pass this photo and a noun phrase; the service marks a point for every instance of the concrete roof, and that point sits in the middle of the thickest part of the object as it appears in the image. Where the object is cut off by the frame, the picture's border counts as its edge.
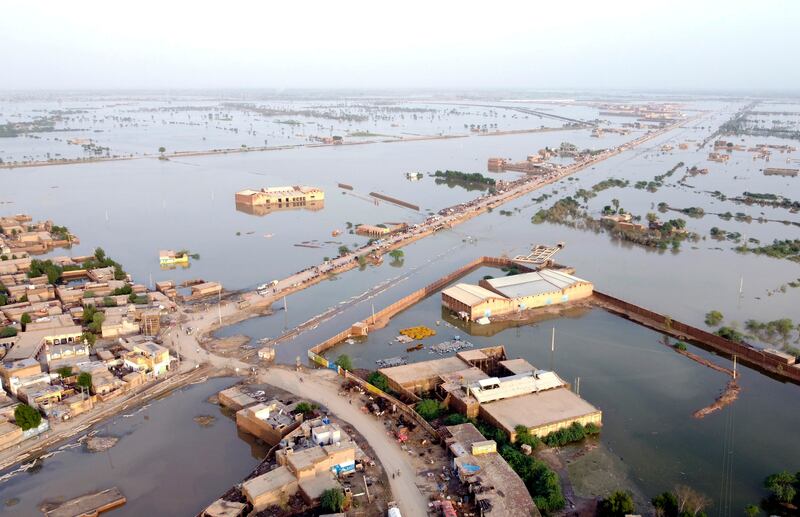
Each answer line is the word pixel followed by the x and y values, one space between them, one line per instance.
pixel 537 409
pixel 535 283
pixel 223 508
pixel 517 366
pixel 314 486
pixel 272 480
pixel 30 343
pixel 423 370
pixel 469 294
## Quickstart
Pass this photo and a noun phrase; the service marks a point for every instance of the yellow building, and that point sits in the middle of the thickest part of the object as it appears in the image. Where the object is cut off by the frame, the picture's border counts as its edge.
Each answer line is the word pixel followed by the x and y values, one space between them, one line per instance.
pixel 170 258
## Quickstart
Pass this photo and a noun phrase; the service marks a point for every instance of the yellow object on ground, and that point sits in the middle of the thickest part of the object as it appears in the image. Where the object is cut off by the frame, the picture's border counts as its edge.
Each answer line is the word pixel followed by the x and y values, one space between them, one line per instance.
pixel 417 333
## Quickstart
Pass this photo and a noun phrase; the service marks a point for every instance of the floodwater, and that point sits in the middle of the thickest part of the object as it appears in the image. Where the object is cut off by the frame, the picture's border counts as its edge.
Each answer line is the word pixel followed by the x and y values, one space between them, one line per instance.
pixel 164 463
pixel 135 208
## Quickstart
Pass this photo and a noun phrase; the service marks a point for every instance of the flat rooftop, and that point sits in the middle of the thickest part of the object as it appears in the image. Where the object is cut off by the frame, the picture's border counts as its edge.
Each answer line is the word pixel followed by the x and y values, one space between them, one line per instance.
pixel 517 366
pixel 535 283
pixel 272 480
pixel 409 373
pixel 505 490
pixel 539 409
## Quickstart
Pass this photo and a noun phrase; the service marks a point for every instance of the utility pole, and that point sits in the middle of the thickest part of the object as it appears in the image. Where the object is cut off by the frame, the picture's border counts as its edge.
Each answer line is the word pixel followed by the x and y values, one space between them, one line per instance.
pixel 552 347
pixel 219 306
pixel 735 374
pixel 373 314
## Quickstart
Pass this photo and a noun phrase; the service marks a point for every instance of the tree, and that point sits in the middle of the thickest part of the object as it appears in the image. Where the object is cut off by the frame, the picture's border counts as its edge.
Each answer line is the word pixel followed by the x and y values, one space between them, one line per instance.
pixel 99 254
pixel 428 409
pixel 690 501
pixel 305 408
pixel 97 322
pixel 652 217
pixel 344 362
pixel 617 504
pixel 8 332
pixel 714 318
pixel 85 380
pixel 64 372
pixel 378 380
pixel 27 417
pixel 25 319
pixel 396 254
pixel 666 505
pixel 751 510
pixel 89 338
pixel 525 437
pixel 782 486
pixel 332 500
pixel 343 250
pixel 162 149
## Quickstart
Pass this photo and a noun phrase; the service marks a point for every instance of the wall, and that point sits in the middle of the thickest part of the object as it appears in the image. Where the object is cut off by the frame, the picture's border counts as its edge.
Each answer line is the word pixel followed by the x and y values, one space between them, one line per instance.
pixel 744 352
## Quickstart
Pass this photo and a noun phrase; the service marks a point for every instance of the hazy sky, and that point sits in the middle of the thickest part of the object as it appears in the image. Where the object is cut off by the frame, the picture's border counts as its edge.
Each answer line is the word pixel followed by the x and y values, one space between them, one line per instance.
pixel 699 44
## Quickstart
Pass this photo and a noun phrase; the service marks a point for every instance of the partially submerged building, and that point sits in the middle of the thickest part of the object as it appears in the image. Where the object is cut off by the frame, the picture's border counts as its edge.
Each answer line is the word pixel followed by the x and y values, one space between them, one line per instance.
pixel 264 200
pixel 269 421
pixel 515 293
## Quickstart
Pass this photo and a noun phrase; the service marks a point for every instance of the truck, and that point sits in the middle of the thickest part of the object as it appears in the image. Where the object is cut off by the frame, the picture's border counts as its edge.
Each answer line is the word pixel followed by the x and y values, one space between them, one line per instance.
pixel 393 510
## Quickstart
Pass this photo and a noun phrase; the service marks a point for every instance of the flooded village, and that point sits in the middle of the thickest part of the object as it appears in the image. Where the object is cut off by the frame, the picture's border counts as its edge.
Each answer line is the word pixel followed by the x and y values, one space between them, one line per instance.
pixel 533 321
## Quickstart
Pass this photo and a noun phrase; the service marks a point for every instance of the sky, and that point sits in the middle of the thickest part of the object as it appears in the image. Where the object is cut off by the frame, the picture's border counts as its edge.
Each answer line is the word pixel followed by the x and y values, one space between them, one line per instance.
pixel 526 44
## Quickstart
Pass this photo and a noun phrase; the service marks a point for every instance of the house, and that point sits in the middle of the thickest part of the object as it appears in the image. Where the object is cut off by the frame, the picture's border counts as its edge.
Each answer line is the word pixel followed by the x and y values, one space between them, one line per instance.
pixel 148 357
pixel 269 421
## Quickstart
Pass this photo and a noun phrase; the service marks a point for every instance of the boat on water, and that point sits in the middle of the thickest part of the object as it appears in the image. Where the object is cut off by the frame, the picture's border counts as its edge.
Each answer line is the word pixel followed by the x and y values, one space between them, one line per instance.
pixel 414 348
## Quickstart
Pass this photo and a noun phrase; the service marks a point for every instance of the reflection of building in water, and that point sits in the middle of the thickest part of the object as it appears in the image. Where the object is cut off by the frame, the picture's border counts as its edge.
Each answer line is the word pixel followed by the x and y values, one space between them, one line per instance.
pixel 175 265
pixel 279 196
pixel 266 209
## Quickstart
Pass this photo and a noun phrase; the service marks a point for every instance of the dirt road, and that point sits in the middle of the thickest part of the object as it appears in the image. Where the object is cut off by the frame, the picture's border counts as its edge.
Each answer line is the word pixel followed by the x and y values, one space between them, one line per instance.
pixel 322 386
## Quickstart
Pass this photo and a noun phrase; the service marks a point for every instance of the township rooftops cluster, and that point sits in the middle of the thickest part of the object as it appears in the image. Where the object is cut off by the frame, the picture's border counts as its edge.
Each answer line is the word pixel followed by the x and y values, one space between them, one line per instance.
pixel 20 235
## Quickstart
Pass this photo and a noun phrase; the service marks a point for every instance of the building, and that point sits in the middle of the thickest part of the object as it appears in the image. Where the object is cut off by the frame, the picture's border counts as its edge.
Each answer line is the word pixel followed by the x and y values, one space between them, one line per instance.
pixel 498 296
pixel 381 230
pixel 171 258
pixel 116 325
pixel 474 302
pixel 151 322
pixel 148 357
pixel 497 488
pixel 269 421
pixel 504 392
pixel 280 197
pixel 51 331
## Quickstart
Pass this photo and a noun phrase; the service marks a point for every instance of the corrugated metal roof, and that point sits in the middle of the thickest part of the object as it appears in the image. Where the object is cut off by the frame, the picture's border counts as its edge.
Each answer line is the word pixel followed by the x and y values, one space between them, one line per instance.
pixel 535 283
pixel 469 294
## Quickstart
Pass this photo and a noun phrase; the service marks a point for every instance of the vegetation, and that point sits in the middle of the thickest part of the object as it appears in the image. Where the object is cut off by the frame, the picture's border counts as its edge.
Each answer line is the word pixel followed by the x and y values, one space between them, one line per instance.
pixel 524 437
pixel 617 504
pixel 332 500
pixel 379 380
pixel 428 409
pixel 680 345
pixel 788 249
pixel 574 433
pixel 344 362
pixel 8 332
pixel 24 320
pixel 305 408
pixel 666 504
pixel 463 178
pixel 343 250
pixel 100 260
pixel 396 254
pixel 713 318
pixel 455 419
pixel 784 487
pixel 64 372
pixel 85 380
pixel 542 483
pixel 731 334
pixel 27 417
pixel 45 267
pixel 771 331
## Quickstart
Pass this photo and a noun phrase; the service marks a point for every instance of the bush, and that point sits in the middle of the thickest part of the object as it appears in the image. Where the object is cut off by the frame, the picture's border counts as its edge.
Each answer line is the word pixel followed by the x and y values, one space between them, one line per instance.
pixel 731 334
pixel 27 417
pixel 64 372
pixel 8 332
pixel 344 362
pixel 379 380
pixel 455 419
pixel 332 500
pixel 666 504
pixel 541 482
pixel 713 318
pixel 305 408
pixel 428 409
pixel 574 433
pixel 525 437
pixel 680 345
pixel 617 504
